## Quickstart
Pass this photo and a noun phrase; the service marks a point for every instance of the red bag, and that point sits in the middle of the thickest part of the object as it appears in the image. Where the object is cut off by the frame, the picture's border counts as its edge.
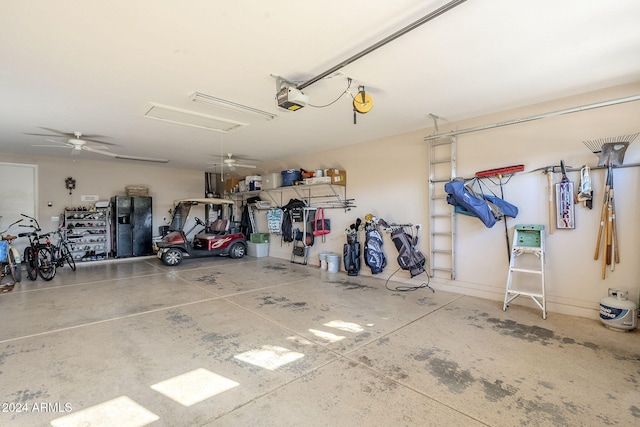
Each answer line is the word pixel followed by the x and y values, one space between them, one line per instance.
pixel 321 225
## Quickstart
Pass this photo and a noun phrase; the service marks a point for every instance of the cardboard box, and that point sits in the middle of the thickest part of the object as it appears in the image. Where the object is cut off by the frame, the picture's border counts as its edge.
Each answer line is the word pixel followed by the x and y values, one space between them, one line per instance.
pixel 338 177
pixel 230 184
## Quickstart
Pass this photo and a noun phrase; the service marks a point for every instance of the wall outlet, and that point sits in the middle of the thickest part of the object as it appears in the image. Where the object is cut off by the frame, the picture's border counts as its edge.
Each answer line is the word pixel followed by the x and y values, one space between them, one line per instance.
pixel 418 226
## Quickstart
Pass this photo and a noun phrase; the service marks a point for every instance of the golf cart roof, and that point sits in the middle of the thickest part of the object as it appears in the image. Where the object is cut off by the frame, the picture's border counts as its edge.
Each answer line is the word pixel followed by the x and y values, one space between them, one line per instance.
pixel 195 201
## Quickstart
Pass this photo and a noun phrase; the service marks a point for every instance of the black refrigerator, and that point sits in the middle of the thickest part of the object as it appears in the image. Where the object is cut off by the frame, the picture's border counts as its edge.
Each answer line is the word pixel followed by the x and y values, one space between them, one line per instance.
pixel 132 226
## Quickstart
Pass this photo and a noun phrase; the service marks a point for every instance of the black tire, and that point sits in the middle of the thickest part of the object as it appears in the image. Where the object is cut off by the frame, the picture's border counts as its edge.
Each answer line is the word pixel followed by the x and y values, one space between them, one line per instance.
pixel 14 267
pixel 46 266
pixel 31 262
pixel 67 256
pixel 172 257
pixel 237 250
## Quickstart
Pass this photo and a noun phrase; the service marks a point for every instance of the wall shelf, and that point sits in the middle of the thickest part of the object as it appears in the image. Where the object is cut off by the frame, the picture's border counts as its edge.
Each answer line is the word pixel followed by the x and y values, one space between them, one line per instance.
pixel 325 195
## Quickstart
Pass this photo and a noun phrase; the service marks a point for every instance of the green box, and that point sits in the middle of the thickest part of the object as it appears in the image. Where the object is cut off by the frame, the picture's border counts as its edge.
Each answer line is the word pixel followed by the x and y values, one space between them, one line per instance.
pixel 259 237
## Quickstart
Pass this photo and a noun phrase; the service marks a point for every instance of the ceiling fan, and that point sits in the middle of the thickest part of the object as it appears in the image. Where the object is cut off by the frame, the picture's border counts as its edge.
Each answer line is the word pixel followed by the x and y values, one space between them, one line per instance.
pixel 78 143
pixel 232 162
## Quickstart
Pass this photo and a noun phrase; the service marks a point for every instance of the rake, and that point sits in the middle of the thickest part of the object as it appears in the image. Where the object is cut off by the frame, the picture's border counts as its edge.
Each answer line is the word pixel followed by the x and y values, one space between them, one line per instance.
pixel 610 153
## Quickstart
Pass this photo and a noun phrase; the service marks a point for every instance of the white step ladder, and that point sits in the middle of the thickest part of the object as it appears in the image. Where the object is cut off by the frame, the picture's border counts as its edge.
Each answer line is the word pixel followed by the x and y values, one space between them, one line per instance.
pixel 527 239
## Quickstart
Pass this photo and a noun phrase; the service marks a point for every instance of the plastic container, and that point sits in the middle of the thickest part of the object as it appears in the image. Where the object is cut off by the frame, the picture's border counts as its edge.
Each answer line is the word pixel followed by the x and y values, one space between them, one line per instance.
pixel 254 182
pixel 259 237
pixel 4 248
pixel 323 260
pixel 257 250
pixel 333 263
pixel 617 312
pixel 289 176
pixel 271 180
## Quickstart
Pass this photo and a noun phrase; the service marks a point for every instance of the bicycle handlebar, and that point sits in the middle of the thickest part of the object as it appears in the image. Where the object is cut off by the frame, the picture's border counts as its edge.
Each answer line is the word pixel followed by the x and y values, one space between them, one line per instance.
pixel 32 220
pixel 31 226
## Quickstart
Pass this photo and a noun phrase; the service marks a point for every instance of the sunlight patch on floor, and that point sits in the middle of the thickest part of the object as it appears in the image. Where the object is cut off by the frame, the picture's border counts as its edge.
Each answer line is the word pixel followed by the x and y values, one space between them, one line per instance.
pixel 344 326
pixel 327 336
pixel 121 411
pixel 195 386
pixel 269 357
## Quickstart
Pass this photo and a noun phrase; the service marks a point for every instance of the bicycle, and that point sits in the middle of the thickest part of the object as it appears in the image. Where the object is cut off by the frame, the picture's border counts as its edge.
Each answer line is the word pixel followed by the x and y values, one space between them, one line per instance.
pixel 46 262
pixel 56 256
pixel 11 262
pixel 30 257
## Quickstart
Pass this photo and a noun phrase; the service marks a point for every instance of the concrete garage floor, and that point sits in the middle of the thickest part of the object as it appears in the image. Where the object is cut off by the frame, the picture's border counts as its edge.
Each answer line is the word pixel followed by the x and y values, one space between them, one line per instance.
pixel 261 341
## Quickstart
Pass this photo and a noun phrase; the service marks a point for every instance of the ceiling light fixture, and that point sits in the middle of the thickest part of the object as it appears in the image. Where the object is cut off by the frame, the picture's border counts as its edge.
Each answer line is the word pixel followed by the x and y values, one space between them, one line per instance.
pixel 190 118
pixel 243 110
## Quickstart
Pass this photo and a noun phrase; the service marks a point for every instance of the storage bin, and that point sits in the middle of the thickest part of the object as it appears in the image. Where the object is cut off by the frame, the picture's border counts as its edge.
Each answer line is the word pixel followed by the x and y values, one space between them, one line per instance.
pixel 259 237
pixel 257 250
pixel 271 181
pixel 289 176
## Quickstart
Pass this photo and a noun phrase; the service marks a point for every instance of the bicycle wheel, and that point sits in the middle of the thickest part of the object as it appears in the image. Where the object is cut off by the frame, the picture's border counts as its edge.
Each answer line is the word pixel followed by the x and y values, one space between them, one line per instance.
pixel 46 265
pixel 31 262
pixel 14 267
pixel 67 256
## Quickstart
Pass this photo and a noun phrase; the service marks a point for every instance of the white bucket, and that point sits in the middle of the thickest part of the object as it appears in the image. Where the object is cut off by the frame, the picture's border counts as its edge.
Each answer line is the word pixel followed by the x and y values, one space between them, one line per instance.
pixel 333 263
pixel 323 260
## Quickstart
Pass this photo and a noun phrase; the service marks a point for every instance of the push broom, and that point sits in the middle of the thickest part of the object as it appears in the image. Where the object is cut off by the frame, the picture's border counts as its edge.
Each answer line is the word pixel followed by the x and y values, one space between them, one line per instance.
pixel 500 173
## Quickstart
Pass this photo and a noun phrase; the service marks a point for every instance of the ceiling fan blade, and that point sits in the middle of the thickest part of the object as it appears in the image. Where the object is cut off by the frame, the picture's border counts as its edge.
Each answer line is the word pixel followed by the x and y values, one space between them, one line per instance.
pixel 124 157
pixel 242 165
pixel 41 134
pixel 234 157
pixel 98 151
pixel 72 134
pixel 62 143
pixel 141 159
pixel 97 142
pixel 50 146
pixel 87 147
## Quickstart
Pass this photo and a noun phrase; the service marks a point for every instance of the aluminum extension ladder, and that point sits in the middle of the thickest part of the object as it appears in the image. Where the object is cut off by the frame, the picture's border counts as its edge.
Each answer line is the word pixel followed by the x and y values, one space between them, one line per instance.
pixel 527 239
pixel 442 227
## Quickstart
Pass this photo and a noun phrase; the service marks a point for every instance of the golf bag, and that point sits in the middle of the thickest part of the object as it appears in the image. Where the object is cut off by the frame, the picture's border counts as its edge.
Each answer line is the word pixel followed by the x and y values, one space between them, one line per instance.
pixel 409 257
pixel 374 257
pixel 351 250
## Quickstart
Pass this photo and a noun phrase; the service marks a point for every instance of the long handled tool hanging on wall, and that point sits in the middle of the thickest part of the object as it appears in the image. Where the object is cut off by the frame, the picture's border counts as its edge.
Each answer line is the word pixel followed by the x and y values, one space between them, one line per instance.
pixel 503 176
pixel 610 153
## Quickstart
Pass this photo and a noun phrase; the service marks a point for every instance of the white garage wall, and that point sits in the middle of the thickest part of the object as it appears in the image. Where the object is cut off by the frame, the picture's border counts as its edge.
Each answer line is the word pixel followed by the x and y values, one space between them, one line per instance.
pixel 106 179
pixel 389 178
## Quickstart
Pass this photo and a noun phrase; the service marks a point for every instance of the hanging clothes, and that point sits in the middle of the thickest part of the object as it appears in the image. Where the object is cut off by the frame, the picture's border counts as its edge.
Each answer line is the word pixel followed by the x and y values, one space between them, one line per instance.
pixel 274 220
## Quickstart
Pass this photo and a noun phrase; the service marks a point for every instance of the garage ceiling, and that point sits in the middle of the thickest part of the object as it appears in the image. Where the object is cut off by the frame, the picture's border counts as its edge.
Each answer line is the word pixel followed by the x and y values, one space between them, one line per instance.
pixel 96 67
